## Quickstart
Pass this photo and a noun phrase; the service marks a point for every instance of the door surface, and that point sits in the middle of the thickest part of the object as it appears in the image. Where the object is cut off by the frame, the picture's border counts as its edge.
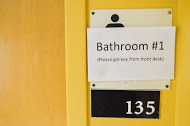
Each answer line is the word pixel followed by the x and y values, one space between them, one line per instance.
pixel 174 104
pixel 32 63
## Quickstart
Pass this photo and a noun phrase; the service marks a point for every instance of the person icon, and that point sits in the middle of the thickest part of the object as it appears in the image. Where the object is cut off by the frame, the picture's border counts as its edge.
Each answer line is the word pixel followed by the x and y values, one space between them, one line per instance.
pixel 114 18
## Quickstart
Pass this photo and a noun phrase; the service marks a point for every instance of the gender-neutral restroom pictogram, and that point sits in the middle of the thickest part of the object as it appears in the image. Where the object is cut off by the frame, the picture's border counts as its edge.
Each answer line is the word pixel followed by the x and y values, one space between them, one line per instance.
pixel 114 18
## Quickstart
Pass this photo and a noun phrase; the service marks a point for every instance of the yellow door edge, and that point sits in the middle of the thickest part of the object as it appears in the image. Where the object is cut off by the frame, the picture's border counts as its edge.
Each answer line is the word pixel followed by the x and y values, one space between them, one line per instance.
pixel 75 47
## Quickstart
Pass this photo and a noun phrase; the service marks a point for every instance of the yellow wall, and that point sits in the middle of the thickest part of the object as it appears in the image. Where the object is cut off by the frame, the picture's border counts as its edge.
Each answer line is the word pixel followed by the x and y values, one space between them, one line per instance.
pixel 183 63
pixel 174 104
pixel 167 98
pixel 32 67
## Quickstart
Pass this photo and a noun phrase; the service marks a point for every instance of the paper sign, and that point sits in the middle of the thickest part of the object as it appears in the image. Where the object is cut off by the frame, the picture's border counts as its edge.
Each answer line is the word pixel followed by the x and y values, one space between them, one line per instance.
pixel 133 53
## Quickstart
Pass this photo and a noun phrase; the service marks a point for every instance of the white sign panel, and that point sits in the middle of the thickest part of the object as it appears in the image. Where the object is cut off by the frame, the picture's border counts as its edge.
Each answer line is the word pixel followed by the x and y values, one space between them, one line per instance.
pixel 133 53
pixel 131 17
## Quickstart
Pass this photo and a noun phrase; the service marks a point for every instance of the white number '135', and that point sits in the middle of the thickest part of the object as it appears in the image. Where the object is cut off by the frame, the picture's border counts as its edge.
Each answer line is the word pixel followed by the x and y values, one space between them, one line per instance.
pixel 140 107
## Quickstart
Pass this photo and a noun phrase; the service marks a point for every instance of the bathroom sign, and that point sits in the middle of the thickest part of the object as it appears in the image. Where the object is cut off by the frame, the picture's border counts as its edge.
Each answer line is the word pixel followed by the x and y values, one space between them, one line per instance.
pixel 133 53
